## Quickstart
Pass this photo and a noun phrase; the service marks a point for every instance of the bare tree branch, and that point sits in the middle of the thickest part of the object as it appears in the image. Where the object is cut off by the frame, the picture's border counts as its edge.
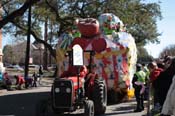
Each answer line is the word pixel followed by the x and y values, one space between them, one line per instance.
pixel 17 13
pixel 4 3
pixel 52 51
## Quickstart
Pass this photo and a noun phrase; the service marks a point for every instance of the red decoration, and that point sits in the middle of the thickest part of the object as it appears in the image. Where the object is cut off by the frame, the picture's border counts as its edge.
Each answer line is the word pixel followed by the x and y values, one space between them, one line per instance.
pixel 80 41
pixel 88 27
pixel 99 45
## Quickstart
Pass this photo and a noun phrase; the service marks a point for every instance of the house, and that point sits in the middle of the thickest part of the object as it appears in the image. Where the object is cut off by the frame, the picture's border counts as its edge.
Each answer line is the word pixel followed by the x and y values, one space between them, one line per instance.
pixel 17 53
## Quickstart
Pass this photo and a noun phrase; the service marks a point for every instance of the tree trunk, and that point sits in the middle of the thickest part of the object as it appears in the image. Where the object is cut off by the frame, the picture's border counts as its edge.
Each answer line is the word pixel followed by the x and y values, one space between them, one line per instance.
pixel 28 44
pixel 45 56
pixel 51 35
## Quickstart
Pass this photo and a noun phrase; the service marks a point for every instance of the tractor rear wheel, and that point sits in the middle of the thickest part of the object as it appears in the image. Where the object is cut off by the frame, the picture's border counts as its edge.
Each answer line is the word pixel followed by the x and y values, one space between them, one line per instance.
pixel 99 96
pixel 89 108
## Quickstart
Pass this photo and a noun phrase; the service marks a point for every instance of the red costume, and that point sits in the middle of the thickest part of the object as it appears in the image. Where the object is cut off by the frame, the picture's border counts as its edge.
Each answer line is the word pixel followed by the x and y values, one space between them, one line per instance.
pixel 20 80
pixel 155 73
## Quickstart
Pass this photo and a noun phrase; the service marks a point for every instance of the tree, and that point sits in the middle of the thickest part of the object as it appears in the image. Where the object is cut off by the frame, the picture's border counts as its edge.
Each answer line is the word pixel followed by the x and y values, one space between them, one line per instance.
pixel 169 50
pixel 14 54
pixel 140 17
pixel 8 54
pixel 16 13
pixel 143 56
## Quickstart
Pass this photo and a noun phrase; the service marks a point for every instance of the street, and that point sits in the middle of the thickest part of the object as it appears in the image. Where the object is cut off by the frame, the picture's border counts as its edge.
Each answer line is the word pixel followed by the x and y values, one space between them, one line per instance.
pixel 23 103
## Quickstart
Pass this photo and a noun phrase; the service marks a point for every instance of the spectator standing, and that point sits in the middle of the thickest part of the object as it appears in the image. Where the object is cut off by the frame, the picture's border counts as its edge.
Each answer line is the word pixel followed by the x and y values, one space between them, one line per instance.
pixel 138 84
pixel 146 70
pixel 1 76
pixel 169 104
pixel 155 73
pixel 35 77
pixel 40 73
pixel 166 78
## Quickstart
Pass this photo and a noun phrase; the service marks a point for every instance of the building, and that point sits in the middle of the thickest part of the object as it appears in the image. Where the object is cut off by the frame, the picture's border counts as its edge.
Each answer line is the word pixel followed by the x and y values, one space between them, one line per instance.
pixel 17 54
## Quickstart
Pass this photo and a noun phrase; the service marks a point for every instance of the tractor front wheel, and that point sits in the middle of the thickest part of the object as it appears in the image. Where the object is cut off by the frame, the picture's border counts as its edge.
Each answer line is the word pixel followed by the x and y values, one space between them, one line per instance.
pixel 99 96
pixel 89 108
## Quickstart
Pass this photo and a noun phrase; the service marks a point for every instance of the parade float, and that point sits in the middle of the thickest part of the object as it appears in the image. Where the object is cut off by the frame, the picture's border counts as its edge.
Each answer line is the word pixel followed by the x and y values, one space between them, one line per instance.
pixel 115 52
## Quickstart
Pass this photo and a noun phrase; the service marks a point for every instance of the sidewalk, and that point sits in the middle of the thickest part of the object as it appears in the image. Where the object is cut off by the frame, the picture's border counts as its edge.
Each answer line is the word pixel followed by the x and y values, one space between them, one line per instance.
pixel 45 86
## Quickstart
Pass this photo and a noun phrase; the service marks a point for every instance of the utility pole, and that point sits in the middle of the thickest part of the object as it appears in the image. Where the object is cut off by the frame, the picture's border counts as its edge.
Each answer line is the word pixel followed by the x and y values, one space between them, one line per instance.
pixel 28 42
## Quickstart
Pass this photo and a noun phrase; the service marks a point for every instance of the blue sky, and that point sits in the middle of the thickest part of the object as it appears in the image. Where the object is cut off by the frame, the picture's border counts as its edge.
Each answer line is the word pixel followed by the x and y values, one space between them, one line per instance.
pixel 165 26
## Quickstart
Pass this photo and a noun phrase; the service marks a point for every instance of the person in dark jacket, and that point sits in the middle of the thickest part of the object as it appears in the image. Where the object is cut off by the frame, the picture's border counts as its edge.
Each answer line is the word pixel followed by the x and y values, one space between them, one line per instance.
pixel 40 74
pixel 35 77
pixel 165 80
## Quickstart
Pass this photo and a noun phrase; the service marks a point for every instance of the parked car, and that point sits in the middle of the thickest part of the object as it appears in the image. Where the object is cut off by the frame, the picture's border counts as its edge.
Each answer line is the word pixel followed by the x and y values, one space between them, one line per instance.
pixel 51 67
pixel 14 68
pixel 33 67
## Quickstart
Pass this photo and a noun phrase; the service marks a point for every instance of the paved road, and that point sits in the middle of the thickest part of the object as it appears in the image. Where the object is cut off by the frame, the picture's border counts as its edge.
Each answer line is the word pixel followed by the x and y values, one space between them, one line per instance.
pixel 23 103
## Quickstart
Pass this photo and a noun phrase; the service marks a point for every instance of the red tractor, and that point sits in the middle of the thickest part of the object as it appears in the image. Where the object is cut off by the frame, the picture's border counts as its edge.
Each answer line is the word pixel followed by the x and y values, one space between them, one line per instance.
pixel 113 56
pixel 78 87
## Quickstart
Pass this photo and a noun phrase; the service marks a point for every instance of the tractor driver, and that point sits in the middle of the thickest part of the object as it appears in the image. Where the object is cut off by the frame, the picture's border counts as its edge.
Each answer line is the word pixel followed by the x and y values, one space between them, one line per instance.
pixel 92 72
pixel 73 71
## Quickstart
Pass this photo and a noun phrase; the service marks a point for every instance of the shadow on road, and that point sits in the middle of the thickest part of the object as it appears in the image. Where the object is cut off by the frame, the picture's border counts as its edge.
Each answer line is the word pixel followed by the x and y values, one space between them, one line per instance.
pixel 24 104
pixel 121 110
pixel 20 104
